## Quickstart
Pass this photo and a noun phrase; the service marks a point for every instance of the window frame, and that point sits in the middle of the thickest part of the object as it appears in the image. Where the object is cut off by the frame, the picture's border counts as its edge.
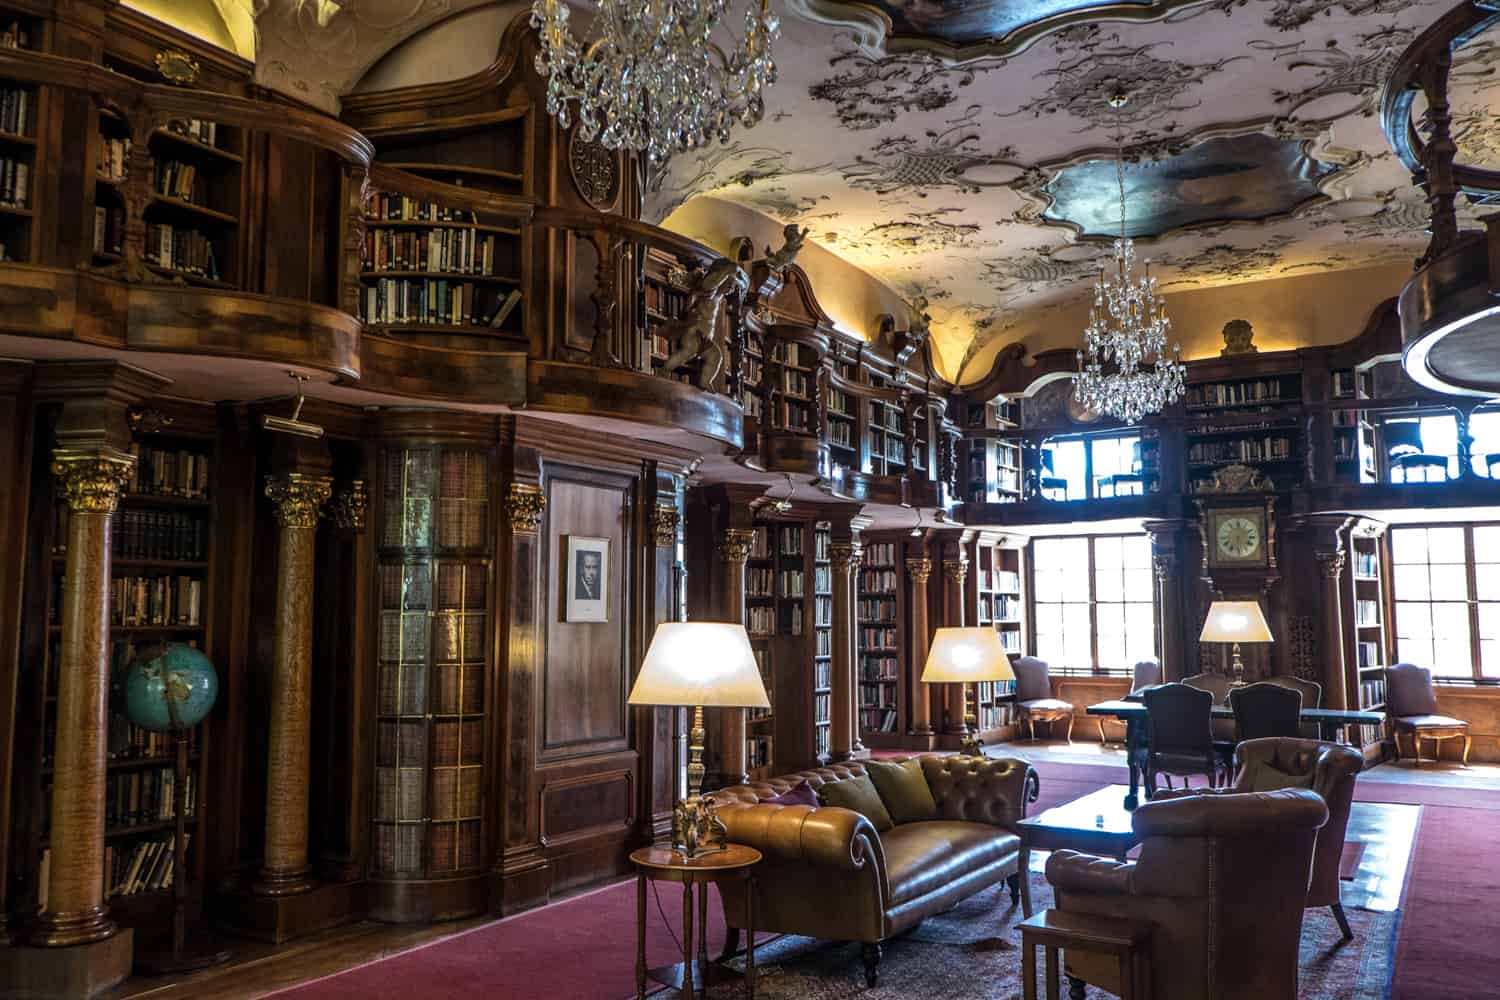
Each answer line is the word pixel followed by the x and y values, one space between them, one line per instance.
pixel 1472 601
pixel 1093 602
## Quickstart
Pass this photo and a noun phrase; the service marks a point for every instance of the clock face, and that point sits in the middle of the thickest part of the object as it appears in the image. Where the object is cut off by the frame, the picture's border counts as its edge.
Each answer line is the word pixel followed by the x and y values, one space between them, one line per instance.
pixel 1238 537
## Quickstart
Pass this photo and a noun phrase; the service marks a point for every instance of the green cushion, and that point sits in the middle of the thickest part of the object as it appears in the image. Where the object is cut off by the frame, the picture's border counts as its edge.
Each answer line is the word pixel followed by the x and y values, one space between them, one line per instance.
pixel 1271 779
pixel 860 795
pixel 903 789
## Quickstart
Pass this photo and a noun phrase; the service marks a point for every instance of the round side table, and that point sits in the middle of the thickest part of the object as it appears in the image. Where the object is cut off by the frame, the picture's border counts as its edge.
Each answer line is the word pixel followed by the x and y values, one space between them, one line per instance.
pixel 666 865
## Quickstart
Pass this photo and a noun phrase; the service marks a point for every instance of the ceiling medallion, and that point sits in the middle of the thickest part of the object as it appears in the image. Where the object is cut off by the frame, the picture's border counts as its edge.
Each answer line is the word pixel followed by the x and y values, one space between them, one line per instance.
pixel 655 81
pixel 1127 329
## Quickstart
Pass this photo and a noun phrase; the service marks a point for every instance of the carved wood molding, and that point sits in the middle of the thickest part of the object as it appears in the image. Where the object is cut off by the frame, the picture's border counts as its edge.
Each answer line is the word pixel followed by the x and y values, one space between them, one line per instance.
pixel 346 508
pixel 664 521
pixel 734 547
pixel 93 480
pixel 298 497
pixel 524 505
pixel 920 569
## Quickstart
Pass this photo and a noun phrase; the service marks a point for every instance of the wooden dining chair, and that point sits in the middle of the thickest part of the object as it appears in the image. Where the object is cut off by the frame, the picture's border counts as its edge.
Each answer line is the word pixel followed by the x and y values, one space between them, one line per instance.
pixel 1146 673
pixel 1412 708
pixel 1312 697
pixel 1265 710
pixel 1179 739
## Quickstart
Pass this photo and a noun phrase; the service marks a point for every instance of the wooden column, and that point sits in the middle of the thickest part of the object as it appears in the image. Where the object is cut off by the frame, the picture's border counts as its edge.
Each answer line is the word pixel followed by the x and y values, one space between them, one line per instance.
pixel 297 493
pixel 1331 572
pixel 1171 603
pixel 91 481
pixel 734 552
pixel 918 572
pixel 955 577
pixel 845 555
pixel 658 726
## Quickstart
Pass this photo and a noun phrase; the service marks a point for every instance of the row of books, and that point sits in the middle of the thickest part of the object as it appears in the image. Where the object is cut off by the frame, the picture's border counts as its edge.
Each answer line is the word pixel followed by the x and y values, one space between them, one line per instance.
pixel 1010 640
pixel 1006 581
pixel 142 866
pixel 877 720
pixel 181 249
pixel 789 539
pixel 895 450
pixel 1365 735
pixel 841 434
pixel 176 179
pixel 145 534
pixel 759 581
pixel 760 621
pixel 887 417
pixel 795 382
pixel 823 643
pixel 175 472
pixel 879 581
pixel 877 609
pixel 876 636
pixel 752 373
pixel 758 751
pixel 135 798
pixel 789 583
pixel 196 129
pixel 109 229
pixel 880 554
pixel 1366 563
pixel 822 543
pixel 822 675
pixel 791 621
pixel 15 182
pixel 823 611
pixel 387 207
pixel 821 743
pixel 664 300
pixel 840 404
pixel 155 600
pixel 15 109
pixel 1372 692
pixel 1267 449
pixel 1345 383
pixel 752 403
pixel 1266 390
pixel 463 251
pixel 1367 654
pixel 823 579
pixel 878 668
pixel 434 301
pixel 1366 612
pixel 793 415
pixel 15 35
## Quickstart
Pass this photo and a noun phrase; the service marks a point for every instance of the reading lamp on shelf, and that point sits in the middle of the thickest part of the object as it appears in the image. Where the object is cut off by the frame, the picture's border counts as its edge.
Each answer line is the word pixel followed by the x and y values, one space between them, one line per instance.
pixel 699 665
pixel 967 656
pixel 1236 622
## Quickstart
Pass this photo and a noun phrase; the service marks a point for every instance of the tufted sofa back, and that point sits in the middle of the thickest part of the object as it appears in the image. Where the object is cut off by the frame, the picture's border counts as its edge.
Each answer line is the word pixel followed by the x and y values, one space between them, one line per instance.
pixel 965 788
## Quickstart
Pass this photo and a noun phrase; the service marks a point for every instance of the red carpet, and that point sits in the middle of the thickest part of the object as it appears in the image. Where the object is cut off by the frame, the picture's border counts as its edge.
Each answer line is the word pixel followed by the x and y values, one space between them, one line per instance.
pixel 584 948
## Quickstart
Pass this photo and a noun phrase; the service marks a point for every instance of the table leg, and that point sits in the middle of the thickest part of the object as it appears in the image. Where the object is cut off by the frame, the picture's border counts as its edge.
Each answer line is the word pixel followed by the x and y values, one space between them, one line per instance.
pixel 750 933
pixel 1054 984
pixel 687 938
pixel 1127 976
pixel 1133 732
pixel 703 934
pixel 640 937
pixel 1024 875
pixel 1028 969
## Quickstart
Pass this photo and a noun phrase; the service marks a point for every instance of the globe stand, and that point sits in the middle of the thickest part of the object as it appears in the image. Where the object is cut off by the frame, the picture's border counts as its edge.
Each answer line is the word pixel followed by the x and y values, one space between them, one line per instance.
pixel 178 960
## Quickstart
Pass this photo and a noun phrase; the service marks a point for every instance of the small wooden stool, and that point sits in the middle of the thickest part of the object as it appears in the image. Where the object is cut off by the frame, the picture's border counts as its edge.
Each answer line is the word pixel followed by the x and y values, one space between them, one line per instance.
pixel 1129 941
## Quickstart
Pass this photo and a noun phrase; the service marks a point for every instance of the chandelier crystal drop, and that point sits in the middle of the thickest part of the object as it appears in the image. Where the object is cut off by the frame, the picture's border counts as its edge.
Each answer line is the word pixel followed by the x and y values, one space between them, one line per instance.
pixel 1127 330
pixel 656 81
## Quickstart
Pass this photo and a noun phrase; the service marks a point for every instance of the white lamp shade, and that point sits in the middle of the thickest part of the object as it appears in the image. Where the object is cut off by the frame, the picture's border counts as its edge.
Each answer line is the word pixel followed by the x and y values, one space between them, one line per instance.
pixel 700 663
pixel 1235 621
pixel 961 655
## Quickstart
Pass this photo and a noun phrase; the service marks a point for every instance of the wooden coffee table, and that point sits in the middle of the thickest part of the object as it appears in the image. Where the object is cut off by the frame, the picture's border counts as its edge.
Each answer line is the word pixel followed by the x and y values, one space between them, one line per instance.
pixel 1098 823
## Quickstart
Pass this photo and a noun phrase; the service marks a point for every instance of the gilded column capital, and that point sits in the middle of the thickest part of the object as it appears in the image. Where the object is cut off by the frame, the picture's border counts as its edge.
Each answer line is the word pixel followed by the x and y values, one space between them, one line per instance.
pixel 664 520
pixel 94 479
pixel 525 504
pixel 1331 562
pixel 956 569
pixel 297 496
pixel 846 555
pixel 920 569
pixel 346 508
pixel 734 547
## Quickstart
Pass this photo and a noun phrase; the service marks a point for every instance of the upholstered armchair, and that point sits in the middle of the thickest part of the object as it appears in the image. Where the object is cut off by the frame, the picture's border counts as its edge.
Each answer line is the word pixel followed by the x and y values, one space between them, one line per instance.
pixel 1412 708
pixel 1327 768
pixel 1223 879
pixel 1034 698
pixel 1146 673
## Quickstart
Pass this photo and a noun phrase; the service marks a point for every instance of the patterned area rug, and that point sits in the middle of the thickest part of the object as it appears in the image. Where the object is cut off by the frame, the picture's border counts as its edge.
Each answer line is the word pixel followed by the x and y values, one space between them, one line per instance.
pixel 973 952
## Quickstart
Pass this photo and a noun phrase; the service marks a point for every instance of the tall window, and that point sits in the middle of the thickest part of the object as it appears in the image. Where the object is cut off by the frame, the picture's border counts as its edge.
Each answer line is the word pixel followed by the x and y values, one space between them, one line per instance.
pixel 1484 447
pixel 1078 468
pixel 1446 585
pixel 1095 602
pixel 1422 449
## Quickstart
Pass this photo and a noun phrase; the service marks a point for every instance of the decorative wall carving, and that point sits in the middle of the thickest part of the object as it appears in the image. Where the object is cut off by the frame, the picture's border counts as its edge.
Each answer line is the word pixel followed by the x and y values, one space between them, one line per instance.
pixel 297 497
pixel 92 480
pixel 596 172
pixel 524 505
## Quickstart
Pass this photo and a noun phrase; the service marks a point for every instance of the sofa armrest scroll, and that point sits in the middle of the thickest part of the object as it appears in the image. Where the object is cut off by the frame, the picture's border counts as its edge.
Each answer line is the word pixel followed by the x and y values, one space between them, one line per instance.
pixel 1073 871
pixel 828 836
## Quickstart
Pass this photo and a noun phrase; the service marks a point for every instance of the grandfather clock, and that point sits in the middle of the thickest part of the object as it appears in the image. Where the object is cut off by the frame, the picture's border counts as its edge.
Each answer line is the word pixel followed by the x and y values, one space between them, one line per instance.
pixel 1237 531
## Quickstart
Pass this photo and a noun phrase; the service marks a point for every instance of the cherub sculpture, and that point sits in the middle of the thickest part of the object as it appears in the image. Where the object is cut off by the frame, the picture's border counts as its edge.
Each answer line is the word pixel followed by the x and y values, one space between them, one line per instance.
pixel 792 240
pixel 694 332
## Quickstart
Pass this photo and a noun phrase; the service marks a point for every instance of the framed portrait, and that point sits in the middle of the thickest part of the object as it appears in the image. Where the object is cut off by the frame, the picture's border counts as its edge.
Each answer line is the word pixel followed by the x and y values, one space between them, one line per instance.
pixel 586 580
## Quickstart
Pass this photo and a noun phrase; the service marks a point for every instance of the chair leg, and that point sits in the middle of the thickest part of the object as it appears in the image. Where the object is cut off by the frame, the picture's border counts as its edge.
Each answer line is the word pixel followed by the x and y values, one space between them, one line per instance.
pixel 1343 921
pixel 1466 750
pixel 1014 884
pixel 731 943
pixel 1069 734
pixel 871 955
pixel 1031 728
pixel 1100 720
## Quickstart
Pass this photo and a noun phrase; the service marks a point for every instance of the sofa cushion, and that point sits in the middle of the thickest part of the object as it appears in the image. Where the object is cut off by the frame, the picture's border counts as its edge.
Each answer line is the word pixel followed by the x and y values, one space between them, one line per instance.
pixel 800 794
pixel 1269 779
pixel 903 789
pixel 1046 705
pixel 923 857
pixel 860 795
pixel 1430 721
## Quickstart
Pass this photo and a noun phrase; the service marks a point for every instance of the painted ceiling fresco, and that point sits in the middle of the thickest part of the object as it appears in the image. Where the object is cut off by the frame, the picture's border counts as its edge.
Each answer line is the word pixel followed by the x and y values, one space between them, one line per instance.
pixel 1253 146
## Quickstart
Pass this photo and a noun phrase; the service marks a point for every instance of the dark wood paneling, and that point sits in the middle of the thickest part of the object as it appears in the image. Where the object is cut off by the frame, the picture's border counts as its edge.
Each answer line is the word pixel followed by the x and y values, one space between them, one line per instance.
pixel 15 467
pixel 584 678
pixel 588 804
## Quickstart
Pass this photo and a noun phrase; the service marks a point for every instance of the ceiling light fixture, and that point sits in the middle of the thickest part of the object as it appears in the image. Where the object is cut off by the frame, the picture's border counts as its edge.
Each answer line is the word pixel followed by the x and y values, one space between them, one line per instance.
pixel 655 81
pixel 1127 328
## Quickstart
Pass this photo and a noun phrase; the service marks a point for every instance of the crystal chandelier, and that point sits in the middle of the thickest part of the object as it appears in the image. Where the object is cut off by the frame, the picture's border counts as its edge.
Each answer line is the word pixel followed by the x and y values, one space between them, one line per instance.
pixel 1127 328
pixel 655 81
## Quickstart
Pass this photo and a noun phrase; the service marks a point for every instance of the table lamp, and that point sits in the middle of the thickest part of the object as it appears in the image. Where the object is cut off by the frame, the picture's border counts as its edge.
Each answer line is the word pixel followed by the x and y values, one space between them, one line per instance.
pixel 964 656
pixel 698 665
pixel 1236 622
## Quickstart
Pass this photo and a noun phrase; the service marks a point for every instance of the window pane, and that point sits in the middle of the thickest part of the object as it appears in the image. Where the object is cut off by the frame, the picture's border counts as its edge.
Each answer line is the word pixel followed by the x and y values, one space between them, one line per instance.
pixel 1489 655
pixel 1107 553
pixel 1413 620
pixel 1138 584
pixel 1409 545
pixel 1489 621
pixel 1445 545
pixel 1067 478
pixel 1138 551
pixel 1487 542
pixel 1484 428
pixel 1410 583
pixel 1450 582
pixel 1452 657
pixel 1109 586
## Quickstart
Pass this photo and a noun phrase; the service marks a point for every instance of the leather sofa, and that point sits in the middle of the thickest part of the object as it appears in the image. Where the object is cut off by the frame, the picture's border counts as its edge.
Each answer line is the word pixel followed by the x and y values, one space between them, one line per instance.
pixel 1223 879
pixel 828 874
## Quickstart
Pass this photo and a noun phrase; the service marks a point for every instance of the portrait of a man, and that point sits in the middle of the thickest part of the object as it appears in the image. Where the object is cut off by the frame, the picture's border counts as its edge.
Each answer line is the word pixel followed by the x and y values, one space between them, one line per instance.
pixel 586 573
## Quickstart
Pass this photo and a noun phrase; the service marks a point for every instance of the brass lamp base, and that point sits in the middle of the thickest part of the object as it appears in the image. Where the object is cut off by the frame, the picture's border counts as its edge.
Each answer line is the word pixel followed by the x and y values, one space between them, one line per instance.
pixel 696 831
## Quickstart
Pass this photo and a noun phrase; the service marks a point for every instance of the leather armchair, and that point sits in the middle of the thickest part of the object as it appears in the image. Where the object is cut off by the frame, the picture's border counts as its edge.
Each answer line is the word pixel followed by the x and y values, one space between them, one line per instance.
pixel 1222 877
pixel 827 873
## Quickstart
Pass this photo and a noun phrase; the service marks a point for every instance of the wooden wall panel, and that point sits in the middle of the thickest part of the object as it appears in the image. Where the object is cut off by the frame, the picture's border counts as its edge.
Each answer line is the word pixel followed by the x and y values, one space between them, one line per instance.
pixel 585 675
pixel 1480 708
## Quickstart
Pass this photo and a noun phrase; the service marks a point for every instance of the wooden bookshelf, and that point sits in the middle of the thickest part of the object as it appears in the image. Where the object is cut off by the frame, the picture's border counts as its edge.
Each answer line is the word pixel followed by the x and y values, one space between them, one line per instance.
pixel 879 701
pixel 20 111
pixel 822 652
pixel 433 655
pixel 1245 421
pixel 998 575
pixel 1366 606
pixel 992 466
pixel 161 563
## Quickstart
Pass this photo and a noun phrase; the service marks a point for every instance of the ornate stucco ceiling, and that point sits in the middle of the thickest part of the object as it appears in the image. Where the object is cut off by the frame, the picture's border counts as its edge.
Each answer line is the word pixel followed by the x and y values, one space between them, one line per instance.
pixel 953 180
